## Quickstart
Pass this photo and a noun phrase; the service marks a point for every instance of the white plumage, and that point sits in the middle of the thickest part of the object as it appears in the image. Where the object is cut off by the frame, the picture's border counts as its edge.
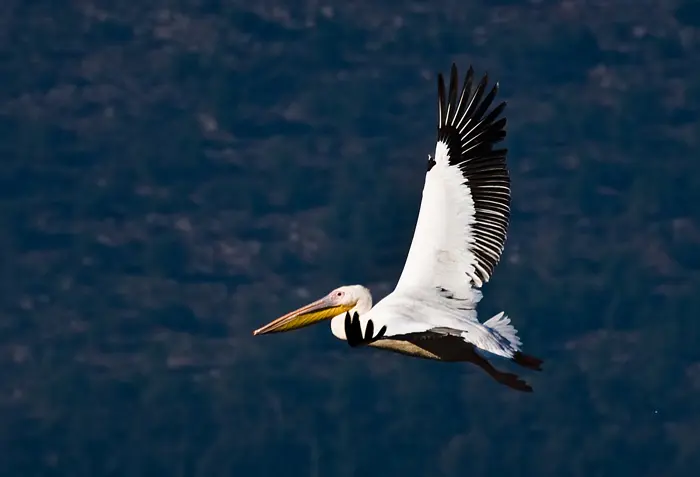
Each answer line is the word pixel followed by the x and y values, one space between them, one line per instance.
pixel 461 227
pixel 458 241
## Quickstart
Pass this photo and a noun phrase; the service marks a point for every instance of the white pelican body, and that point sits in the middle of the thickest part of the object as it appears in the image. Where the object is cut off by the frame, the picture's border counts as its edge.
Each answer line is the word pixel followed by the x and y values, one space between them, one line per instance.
pixel 457 243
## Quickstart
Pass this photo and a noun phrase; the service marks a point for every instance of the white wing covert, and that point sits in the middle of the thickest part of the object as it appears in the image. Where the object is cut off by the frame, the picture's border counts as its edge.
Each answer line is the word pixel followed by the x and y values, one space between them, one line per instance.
pixel 463 219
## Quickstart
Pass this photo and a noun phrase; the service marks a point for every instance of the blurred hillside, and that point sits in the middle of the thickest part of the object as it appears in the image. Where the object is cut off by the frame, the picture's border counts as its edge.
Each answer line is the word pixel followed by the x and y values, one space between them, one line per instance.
pixel 177 173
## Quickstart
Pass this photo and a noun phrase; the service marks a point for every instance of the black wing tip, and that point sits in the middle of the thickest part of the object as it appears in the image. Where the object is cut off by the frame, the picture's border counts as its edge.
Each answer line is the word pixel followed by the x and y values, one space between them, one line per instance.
pixel 455 70
pixel 468 121
pixel 353 331
pixel 461 104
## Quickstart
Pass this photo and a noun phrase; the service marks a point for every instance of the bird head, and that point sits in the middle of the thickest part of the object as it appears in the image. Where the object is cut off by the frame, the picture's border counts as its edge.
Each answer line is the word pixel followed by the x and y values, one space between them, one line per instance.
pixel 337 302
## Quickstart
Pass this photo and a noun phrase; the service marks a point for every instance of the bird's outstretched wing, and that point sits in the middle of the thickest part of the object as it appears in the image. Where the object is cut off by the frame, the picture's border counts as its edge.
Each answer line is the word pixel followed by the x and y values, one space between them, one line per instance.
pixel 465 210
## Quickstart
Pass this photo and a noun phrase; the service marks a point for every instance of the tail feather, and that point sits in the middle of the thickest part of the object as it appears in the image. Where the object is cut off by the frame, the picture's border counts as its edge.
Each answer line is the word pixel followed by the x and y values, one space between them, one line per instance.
pixel 500 323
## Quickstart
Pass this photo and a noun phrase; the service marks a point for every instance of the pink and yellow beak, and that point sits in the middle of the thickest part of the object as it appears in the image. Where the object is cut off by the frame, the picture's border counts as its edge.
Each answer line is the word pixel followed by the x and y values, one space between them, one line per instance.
pixel 323 309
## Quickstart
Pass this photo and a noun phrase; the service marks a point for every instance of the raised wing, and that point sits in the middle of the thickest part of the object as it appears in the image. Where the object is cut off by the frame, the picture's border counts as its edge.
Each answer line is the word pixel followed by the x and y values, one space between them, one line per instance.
pixel 464 213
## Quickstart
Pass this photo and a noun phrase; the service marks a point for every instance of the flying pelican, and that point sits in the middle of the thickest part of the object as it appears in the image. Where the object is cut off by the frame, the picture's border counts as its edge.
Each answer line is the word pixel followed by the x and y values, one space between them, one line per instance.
pixel 457 243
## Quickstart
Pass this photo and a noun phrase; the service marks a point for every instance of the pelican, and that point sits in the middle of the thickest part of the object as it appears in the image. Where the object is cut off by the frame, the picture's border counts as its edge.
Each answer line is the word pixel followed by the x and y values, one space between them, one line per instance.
pixel 458 241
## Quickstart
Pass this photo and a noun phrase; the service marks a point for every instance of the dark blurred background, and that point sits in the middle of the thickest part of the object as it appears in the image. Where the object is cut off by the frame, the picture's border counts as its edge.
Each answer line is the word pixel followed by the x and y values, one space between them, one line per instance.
pixel 176 173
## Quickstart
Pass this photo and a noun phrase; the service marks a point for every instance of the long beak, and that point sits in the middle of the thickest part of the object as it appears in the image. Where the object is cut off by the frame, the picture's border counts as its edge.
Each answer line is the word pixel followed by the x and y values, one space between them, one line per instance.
pixel 310 314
